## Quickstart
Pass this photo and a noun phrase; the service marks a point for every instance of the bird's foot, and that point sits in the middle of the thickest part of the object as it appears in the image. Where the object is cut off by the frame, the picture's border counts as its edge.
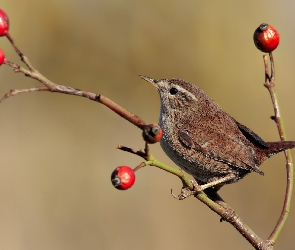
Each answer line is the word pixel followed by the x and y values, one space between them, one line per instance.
pixel 184 193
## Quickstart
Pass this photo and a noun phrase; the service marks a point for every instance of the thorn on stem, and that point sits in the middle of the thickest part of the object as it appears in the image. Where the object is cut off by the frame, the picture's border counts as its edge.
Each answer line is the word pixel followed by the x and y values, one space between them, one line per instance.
pixel 273 118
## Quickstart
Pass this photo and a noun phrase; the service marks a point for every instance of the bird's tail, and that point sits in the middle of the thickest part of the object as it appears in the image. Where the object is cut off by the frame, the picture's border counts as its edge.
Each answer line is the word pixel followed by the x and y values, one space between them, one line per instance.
pixel 274 148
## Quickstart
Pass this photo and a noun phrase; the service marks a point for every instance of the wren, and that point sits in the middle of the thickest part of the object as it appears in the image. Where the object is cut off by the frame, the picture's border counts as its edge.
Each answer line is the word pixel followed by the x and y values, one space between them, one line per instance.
pixel 205 141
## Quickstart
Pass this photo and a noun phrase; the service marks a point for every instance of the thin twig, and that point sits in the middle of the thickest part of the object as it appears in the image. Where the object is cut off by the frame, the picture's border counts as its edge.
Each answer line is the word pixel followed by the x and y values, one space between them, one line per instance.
pixel 21 55
pixel 270 85
pixel 140 153
pixel 14 92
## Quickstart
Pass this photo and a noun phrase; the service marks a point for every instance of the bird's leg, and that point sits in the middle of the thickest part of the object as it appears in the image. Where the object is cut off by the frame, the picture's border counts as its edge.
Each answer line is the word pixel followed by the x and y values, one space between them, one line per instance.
pixel 199 188
pixel 185 192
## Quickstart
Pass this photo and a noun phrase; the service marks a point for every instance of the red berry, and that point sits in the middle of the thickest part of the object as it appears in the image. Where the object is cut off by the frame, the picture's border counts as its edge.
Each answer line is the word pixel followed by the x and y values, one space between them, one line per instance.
pixel 152 133
pixel 123 177
pixel 266 38
pixel 2 56
pixel 4 23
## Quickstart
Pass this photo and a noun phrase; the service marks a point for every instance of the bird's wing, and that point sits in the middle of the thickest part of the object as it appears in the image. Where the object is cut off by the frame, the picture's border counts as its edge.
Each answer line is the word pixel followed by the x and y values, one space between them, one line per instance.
pixel 225 147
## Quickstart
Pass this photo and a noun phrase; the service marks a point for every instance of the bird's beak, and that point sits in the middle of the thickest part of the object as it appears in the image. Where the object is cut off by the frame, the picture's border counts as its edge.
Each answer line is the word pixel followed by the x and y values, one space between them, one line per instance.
pixel 150 80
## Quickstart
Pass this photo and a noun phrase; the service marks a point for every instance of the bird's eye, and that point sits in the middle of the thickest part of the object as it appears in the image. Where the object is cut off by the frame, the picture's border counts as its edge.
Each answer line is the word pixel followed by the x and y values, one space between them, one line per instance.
pixel 173 91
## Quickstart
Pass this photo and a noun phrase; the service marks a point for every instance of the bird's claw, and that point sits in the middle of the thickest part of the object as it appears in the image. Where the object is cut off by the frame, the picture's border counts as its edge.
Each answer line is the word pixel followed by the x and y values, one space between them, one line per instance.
pixel 184 193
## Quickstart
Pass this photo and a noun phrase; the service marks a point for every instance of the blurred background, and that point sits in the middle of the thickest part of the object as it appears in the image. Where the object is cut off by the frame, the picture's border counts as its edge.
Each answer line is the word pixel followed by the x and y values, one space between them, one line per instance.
pixel 58 151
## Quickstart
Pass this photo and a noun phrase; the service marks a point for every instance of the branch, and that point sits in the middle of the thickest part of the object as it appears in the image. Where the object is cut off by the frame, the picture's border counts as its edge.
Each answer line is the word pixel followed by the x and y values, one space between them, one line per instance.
pixel 52 87
pixel 209 197
pixel 270 85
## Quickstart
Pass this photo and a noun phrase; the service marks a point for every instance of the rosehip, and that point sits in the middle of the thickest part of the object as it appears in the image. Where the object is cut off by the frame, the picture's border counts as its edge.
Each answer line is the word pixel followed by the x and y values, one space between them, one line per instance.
pixel 266 38
pixel 123 177
pixel 4 23
pixel 152 133
pixel 2 56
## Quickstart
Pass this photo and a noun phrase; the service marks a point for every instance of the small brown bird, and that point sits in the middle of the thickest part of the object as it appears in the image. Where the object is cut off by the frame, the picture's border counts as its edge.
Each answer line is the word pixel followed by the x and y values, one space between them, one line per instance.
pixel 205 141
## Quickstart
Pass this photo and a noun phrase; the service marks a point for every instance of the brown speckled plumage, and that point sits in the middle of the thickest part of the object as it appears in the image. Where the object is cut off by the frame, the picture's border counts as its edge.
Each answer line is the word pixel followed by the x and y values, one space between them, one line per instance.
pixel 205 141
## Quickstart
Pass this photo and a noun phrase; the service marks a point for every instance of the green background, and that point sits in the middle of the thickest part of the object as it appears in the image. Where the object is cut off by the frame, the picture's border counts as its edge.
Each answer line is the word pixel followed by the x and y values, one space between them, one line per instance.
pixel 58 151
